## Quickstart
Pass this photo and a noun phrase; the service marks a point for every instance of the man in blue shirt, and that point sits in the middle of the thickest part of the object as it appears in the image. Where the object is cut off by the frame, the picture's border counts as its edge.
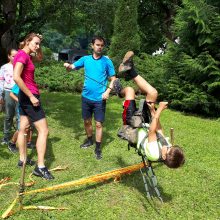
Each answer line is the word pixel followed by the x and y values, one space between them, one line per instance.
pixel 98 69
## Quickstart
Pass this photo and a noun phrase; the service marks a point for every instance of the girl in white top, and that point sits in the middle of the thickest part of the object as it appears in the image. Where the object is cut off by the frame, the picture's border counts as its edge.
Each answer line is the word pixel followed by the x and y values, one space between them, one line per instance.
pixel 6 73
pixel 6 84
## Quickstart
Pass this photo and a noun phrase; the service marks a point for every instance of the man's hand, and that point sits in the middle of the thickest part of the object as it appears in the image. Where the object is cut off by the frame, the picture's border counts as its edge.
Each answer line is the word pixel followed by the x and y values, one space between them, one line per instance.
pixel 68 66
pixel 34 101
pixel 105 95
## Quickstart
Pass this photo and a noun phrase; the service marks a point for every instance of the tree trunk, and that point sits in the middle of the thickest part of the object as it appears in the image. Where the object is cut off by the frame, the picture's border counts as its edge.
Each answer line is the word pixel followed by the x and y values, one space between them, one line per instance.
pixel 7 28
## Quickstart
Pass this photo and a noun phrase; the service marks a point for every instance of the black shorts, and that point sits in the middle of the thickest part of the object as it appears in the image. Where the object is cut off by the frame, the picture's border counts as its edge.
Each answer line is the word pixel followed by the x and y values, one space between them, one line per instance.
pixel 129 109
pixel 26 108
pixel 97 107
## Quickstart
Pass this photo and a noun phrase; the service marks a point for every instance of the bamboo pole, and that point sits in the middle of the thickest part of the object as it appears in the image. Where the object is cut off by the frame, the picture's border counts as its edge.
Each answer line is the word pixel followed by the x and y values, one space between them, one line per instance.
pixel 9 211
pixel 88 180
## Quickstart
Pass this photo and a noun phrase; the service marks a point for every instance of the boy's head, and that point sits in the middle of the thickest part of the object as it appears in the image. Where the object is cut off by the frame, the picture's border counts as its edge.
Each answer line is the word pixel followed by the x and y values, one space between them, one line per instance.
pixel 174 157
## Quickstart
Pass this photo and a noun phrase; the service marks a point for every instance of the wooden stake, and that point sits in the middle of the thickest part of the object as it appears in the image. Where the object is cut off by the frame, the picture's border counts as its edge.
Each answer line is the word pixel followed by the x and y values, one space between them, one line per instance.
pixel 172 136
pixel 22 184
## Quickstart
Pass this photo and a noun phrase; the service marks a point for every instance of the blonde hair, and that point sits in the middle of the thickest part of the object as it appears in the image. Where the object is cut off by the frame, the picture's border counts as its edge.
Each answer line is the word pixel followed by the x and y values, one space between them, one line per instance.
pixel 29 38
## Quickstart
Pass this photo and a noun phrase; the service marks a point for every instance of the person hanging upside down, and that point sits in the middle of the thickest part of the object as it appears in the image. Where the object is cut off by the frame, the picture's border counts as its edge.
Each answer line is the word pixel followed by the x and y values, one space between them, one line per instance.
pixel 156 146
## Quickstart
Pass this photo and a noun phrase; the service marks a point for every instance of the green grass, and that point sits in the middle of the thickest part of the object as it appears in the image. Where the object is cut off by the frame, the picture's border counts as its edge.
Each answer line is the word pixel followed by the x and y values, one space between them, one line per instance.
pixel 191 192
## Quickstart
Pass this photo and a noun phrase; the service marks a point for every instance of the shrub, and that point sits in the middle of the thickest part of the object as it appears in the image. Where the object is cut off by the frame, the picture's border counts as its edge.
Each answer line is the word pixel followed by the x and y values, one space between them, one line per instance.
pixel 54 77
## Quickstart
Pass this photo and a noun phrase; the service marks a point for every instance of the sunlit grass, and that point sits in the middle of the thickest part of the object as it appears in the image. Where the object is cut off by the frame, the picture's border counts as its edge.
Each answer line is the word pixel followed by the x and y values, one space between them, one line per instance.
pixel 191 192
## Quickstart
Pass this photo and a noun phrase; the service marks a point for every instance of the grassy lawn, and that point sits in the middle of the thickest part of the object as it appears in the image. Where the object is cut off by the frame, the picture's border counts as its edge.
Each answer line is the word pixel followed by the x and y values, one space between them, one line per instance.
pixel 191 192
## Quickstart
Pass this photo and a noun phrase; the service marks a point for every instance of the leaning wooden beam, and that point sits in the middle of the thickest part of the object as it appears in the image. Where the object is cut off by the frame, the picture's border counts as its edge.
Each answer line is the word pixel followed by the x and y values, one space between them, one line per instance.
pixel 92 179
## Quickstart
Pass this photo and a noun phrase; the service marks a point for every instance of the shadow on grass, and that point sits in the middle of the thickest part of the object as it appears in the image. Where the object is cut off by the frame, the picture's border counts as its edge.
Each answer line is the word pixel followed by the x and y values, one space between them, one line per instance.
pixel 3 153
pixel 32 200
pixel 66 109
pixel 50 158
pixel 139 184
pixel 4 175
pixel 133 180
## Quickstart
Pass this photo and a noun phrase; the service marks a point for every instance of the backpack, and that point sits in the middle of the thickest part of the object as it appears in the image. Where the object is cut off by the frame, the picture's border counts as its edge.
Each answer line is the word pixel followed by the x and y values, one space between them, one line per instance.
pixel 140 117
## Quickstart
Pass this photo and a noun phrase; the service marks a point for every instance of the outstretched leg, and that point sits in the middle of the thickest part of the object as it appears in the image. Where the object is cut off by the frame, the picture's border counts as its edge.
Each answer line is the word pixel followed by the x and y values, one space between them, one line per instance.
pixel 150 92
pixel 128 70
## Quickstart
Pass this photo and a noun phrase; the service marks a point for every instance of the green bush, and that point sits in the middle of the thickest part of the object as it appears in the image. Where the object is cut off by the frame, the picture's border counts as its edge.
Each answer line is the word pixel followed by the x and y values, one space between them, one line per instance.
pixel 54 77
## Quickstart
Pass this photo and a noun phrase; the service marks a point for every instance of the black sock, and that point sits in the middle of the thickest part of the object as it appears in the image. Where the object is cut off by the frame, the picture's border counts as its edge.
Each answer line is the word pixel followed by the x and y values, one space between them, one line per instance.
pixel 133 72
pixel 90 139
pixel 98 145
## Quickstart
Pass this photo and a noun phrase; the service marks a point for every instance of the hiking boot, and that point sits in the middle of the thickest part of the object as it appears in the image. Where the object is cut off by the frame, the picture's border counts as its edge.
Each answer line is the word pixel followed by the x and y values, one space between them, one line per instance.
pixel 30 145
pixel 126 68
pixel 43 172
pixel 127 62
pixel 4 141
pixel 28 162
pixel 117 87
pixel 86 144
pixel 12 147
pixel 98 154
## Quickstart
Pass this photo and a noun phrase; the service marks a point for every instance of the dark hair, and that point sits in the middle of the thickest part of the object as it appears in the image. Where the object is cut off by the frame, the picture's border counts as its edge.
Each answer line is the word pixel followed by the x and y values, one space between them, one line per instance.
pixel 29 38
pixel 97 38
pixel 9 51
pixel 175 158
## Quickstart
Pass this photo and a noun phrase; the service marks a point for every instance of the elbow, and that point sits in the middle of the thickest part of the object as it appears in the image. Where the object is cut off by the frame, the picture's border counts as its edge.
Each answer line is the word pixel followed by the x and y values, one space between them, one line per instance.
pixel 15 78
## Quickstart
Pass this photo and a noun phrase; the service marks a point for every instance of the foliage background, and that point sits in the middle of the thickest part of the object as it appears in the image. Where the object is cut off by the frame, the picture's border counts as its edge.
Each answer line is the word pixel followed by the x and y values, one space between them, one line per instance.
pixel 187 32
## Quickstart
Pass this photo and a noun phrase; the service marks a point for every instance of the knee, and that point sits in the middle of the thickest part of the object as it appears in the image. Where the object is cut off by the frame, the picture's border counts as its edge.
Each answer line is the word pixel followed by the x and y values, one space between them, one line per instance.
pixel 155 93
pixel 44 131
pixel 98 125
pixel 129 93
pixel 87 122
pixel 152 96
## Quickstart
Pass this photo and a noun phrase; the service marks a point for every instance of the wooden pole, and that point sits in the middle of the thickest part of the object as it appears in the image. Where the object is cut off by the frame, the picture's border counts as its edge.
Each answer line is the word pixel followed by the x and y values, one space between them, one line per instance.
pixel 22 184
pixel 172 136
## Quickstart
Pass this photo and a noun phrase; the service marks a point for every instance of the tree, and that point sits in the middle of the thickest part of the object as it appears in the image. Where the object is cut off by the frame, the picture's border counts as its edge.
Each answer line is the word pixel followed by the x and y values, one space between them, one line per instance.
pixel 18 17
pixel 193 67
pixel 67 22
pixel 126 31
pixel 155 19
pixel 78 23
pixel 7 21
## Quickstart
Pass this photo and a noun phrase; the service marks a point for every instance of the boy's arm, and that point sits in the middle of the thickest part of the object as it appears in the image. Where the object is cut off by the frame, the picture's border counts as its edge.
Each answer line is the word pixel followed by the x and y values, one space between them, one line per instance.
pixel 13 96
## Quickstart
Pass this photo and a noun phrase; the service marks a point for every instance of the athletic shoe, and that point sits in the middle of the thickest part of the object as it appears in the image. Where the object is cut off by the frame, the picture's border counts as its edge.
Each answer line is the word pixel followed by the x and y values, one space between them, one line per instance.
pixel 43 172
pixel 117 87
pixel 28 162
pixel 4 141
pixel 12 147
pixel 86 144
pixel 98 153
pixel 30 145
